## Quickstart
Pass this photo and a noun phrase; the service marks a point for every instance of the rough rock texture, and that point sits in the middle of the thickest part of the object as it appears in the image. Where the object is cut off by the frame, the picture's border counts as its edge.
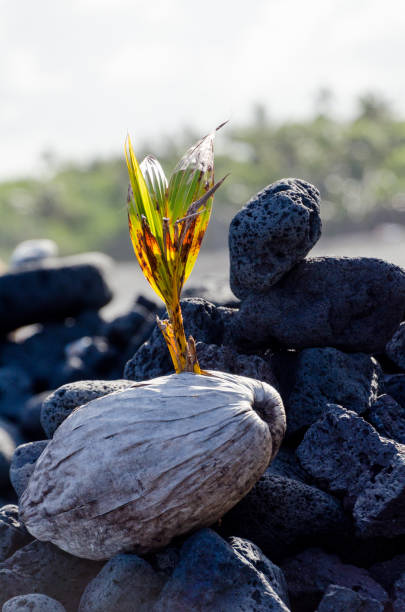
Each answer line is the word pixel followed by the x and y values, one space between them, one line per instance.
pixel 280 514
pixel 345 454
pixel 394 385
pixel 310 573
pixel 388 572
pixel 51 291
pixel 40 567
pixel 274 231
pixel 187 446
pixel 353 304
pixel 13 534
pixel 202 320
pixel 59 404
pixel 23 464
pixel 287 465
pixel 395 348
pixel 33 602
pixel 399 594
pixel 342 599
pixel 388 417
pixel 214 575
pixel 126 583
pixel 326 375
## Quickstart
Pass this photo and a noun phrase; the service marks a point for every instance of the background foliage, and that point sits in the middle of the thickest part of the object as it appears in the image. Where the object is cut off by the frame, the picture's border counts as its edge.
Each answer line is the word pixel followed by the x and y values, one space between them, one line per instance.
pixel 359 166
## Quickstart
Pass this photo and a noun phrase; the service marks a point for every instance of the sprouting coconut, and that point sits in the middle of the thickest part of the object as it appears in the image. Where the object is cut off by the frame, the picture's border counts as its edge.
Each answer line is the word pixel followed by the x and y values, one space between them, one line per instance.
pixel 133 469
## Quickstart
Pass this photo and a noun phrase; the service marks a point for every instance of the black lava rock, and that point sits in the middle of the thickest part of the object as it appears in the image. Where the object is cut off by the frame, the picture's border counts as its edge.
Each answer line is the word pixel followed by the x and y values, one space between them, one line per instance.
pixel 30 417
pixel 125 583
pixel 342 599
pixel 274 231
pixel 395 348
pixel 33 602
pixel 326 375
pixel 347 456
pixel 214 575
pixel 388 417
pixel 13 534
pixel 15 389
pixel 388 572
pixel 310 573
pixel 202 320
pixel 23 464
pixel 41 567
pixel 353 304
pixel 394 385
pixel 50 292
pixel 281 514
pixel 57 406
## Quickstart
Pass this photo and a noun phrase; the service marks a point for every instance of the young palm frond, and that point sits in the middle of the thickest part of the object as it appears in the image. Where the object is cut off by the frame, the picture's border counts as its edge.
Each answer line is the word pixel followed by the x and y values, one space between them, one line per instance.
pixel 167 223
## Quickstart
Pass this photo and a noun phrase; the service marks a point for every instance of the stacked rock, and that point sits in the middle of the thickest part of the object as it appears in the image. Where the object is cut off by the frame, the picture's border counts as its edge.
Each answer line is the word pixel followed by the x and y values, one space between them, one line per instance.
pixel 324 528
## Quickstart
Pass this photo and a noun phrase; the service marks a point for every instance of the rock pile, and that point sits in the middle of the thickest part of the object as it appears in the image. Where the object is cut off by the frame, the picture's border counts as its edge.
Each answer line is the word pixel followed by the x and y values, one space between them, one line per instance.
pixel 324 528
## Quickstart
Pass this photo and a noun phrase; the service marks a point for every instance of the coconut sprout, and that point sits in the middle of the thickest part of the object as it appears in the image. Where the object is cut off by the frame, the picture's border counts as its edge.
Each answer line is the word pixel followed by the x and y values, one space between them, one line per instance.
pixel 167 223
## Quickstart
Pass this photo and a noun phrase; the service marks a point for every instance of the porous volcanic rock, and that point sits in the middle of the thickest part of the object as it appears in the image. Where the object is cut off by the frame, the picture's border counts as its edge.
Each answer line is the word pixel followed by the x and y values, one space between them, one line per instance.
pixel 215 575
pixel 347 456
pixel 59 404
pixel 394 385
pixel 395 348
pixel 33 602
pixel 274 231
pixel 202 320
pixel 327 375
pixel 388 417
pixel 310 573
pixel 342 599
pixel 280 514
pixel 353 304
pixel 126 583
pixel 23 464
pixel 13 534
pixel 55 290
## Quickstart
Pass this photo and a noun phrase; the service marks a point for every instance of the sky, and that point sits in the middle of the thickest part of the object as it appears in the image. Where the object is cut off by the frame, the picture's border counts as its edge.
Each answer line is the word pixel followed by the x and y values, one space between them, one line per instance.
pixel 77 75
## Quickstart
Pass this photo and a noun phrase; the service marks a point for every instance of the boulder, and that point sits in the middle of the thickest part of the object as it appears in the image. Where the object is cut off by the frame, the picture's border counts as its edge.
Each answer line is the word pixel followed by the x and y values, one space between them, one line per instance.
pixel 342 599
pixel 13 534
pixel 30 417
pixel 56 290
pixel 347 456
pixel 388 572
pixel 215 575
pixel 202 320
pixel 33 602
pixel 327 375
pixel 59 404
pixel 399 594
pixel 394 385
pixel 40 567
pixel 281 514
pixel 310 573
pixel 273 232
pixel 126 583
pixel 395 348
pixel 23 464
pixel 353 304
pixel 15 390
pixel 388 417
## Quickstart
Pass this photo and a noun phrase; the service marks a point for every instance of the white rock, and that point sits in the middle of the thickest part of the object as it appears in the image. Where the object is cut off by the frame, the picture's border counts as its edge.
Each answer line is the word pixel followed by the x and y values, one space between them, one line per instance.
pixel 131 470
pixel 31 251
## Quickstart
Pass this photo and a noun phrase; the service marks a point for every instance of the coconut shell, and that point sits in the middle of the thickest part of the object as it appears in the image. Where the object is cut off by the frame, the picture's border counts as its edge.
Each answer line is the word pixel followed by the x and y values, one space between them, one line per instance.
pixel 131 470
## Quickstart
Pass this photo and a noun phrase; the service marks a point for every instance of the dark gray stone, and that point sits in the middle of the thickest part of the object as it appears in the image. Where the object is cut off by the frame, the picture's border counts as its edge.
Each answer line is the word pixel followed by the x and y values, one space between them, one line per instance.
pixel 287 465
pixel 23 464
pixel 394 385
pixel 280 515
pixel 213 575
pixel 274 231
pixel 342 599
pixel 202 320
pixel 33 602
pixel 40 567
pixel 399 594
pixel 13 534
pixel 30 417
pixel 57 406
pixel 310 573
pixel 347 456
pixel 125 583
pixel 15 389
pixel 388 572
pixel 88 358
pixel 326 375
pixel 353 304
pixel 56 290
pixel 395 348
pixel 388 417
